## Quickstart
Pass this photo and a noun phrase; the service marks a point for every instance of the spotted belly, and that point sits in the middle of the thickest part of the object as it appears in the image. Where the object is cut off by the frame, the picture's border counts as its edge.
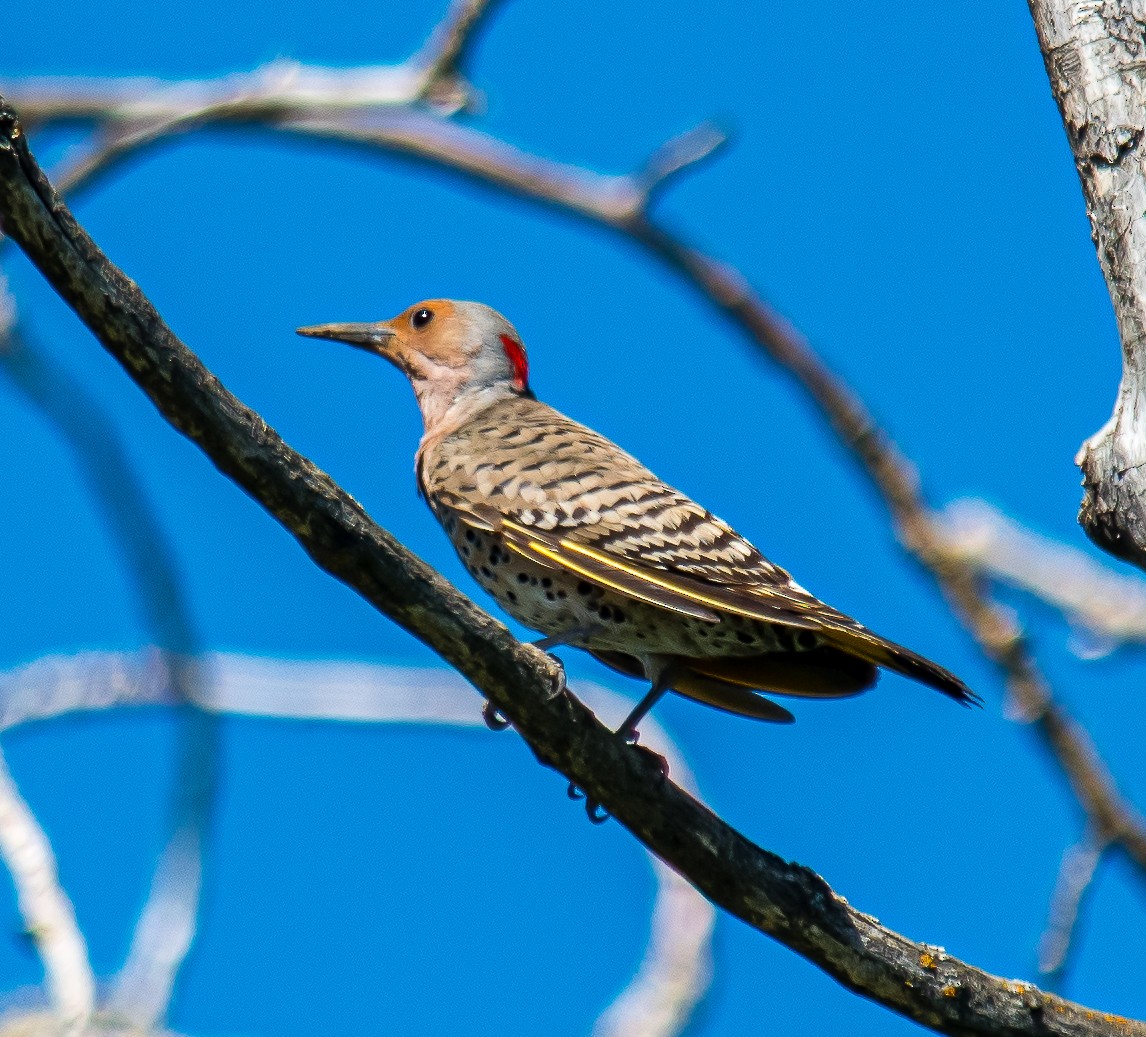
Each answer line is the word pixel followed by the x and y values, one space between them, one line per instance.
pixel 556 602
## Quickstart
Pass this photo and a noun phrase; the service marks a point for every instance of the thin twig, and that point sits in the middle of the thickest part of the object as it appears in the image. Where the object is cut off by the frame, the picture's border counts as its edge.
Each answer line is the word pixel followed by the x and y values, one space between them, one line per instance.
pixel 784 900
pixel 445 54
pixel 1076 875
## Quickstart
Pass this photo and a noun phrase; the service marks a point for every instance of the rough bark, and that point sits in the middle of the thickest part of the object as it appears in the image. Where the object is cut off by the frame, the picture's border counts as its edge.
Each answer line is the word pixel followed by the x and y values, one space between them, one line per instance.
pixel 1095 55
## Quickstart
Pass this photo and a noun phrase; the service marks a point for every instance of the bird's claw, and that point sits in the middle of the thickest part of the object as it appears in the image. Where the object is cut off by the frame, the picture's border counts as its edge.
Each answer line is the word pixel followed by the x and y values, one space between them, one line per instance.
pixel 596 813
pixel 559 683
pixel 494 718
pixel 630 736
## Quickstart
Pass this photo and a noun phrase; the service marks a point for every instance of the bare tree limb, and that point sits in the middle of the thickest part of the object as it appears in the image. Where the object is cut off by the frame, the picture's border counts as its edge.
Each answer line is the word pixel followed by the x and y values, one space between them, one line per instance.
pixel 674 973
pixel 783 900
pixel 1076 875
pixel 1095 54
pixel 48 915
pixel 1109 604
pixel 159 948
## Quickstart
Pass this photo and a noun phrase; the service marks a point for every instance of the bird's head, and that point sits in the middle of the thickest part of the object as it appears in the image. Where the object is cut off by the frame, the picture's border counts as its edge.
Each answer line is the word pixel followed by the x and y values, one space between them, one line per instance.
pixel 459 356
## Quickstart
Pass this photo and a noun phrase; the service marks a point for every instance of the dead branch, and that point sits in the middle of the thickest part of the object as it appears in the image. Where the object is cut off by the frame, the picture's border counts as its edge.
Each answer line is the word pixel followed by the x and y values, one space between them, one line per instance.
pixel 143 990
pixel 673 976
pixel 1094 597
pixel 1076 874
pixel 49 918
pixel 784 900
pixel 1094 54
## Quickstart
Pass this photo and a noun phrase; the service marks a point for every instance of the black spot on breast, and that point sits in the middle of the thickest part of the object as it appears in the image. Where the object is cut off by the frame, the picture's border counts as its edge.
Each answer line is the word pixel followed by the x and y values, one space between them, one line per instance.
pixel 511 595
pixel 471 536
pixel 550 596
pixel 743 638
pixel 562 595
pixel 546 582
pixel 806 639
pixel 485 571
pixel 523 577
pixel 584 588
pixel 605 613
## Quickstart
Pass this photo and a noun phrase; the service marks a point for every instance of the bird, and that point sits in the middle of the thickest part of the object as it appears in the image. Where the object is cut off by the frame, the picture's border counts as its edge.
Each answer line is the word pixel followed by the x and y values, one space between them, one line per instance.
pixel 576 539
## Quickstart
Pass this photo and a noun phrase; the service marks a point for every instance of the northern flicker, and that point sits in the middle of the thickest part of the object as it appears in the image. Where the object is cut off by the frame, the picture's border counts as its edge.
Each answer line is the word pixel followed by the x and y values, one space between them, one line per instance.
pixel 577 539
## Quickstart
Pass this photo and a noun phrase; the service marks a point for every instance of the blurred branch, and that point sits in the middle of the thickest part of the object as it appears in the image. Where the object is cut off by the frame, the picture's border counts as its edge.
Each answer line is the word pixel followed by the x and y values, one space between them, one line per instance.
pixel 1094 54
pixel 280 90
pixel 674 974
pixel 1109 604
pixel 49 918
pixel 160 945
pixel 784 900
pixel 1075 880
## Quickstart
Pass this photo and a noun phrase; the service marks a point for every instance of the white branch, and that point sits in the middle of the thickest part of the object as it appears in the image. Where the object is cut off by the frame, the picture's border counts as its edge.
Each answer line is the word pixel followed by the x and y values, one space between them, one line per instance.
pixel 1095 55
pixel 1108 604
pixel 675 971
pixel 47 912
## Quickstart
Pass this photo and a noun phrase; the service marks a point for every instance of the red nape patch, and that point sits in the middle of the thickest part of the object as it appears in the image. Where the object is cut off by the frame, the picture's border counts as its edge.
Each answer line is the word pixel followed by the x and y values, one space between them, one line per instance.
pixel 516 356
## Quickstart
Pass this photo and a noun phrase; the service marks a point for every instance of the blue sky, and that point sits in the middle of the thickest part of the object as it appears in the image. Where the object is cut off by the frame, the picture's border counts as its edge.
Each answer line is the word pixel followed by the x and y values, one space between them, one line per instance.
pixel 899 185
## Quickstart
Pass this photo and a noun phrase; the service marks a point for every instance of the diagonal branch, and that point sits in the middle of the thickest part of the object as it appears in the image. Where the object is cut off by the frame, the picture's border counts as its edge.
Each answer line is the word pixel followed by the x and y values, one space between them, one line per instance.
pixel 49 917
pixel 1080 864
pixel 784 900
pixel 621 203
pixel 1093 595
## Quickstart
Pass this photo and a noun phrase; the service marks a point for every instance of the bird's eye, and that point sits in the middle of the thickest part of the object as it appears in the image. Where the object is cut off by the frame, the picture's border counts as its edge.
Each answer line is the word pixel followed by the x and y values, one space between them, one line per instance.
pixel 420 318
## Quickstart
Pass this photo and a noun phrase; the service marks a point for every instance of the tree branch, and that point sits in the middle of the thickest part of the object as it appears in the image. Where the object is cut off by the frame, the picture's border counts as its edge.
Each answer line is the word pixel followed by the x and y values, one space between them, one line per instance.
pixel 1076 875
pixel 784 900
pixel 674 973
pixel 1095 597
pixel 49 918
pixel 1094 55
pixel 145 986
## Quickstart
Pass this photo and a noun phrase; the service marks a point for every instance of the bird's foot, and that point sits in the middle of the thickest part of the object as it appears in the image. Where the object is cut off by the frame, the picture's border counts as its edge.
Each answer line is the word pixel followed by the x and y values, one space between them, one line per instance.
pixel 596 813
pixel 568 636
pixel 494 718
pixel 559 682
pixel 630 736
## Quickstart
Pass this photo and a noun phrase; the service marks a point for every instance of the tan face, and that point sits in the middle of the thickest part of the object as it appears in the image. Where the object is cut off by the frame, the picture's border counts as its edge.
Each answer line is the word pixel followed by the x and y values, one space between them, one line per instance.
pixel 430 334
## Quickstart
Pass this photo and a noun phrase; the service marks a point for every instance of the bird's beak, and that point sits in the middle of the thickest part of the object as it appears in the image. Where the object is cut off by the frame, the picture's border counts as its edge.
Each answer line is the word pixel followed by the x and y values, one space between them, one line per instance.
pixel 371 337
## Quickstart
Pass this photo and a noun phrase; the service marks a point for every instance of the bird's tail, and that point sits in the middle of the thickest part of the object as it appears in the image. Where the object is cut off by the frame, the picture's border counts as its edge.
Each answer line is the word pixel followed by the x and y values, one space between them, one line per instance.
pixel 872 648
